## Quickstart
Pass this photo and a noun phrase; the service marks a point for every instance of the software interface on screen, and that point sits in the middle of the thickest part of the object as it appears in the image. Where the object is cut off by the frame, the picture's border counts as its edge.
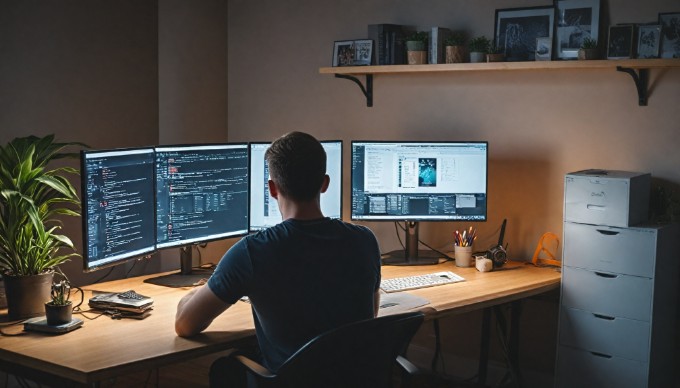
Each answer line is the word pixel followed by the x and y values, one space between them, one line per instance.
pixel 264 210
pixel 201 193
pixel 118 199
pixel 419 181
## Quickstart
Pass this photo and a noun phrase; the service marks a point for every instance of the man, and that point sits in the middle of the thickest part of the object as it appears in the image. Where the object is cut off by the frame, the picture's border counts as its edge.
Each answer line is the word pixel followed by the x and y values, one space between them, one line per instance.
pixel 304 276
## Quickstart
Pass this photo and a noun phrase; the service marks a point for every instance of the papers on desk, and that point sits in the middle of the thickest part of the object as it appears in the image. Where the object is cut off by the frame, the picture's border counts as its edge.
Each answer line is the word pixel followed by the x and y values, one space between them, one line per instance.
pixel 399 302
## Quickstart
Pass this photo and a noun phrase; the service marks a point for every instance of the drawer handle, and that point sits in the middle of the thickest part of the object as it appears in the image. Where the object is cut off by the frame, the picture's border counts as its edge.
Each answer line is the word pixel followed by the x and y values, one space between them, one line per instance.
pixel 600 355
pixel 604 317
pixel 596 207
pixel 607 232
pixel 606 275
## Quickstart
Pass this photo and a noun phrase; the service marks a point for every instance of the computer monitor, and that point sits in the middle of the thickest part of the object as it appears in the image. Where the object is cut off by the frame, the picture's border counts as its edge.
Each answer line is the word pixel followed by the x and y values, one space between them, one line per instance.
pixel 417 181
pixel 264 210
pixel 201 195
pixel 117 206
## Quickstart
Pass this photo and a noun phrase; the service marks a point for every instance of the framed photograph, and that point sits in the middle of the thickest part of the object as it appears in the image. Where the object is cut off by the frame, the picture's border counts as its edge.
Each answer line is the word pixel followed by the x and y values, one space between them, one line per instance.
pixel 352 52
pixel 649 39
pixel 670 34
pixel 543 49
pixel 576 20
pixel 516 30
pixel 620 42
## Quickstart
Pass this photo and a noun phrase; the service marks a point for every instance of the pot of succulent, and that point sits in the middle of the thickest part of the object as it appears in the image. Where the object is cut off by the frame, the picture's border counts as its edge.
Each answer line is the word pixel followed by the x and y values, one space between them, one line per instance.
pixel 456 51
pixel 479 46
pixel 588 49
pixel 495 53
pixel 32 196
pixel 59 310
pixel 416 48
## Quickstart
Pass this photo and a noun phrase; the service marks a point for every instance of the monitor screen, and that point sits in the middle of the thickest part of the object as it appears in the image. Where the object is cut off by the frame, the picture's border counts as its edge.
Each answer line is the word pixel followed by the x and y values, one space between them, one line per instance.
pixel 264 210
pixel 117 206
pixel 419 181
pixel 201 193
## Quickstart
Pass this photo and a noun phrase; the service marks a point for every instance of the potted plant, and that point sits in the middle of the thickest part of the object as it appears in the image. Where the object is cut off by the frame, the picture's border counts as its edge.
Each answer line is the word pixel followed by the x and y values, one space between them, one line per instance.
pixel 31 198
pixel 416 48
pixel 588 49
pixel 495 53
pixel 59 310
pixel 455 48
pixel 479 46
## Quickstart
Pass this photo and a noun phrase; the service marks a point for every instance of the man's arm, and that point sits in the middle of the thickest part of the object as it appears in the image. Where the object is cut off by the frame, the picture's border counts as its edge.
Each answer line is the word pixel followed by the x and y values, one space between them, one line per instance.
pixel 196 310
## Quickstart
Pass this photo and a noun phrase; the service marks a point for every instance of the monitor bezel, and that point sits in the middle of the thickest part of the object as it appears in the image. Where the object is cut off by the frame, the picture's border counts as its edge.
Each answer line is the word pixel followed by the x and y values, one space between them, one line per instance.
pixel 342 159
pixel 182 243
pixel 85 214
pixel 416 218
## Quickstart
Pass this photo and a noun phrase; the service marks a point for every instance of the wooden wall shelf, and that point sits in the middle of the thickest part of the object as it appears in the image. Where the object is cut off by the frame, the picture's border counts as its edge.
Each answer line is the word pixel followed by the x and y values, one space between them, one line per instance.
pixel 638 69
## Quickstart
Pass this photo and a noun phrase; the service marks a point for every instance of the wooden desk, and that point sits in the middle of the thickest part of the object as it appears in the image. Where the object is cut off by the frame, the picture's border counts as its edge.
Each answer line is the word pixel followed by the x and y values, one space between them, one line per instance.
pixel 106 348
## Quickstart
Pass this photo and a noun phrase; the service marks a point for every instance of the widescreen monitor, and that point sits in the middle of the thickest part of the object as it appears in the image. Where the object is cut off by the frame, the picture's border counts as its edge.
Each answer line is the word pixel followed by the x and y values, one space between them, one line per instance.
pixel 419 181
pixel 264 210
pixel 117 206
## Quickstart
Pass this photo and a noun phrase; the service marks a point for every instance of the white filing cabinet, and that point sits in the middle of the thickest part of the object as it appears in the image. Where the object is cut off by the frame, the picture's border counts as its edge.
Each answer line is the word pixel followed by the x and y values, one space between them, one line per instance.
pixel 618 301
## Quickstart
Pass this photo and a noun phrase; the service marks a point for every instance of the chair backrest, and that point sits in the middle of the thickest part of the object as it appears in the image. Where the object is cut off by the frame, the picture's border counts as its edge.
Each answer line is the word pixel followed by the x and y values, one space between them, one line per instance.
pixel 359 354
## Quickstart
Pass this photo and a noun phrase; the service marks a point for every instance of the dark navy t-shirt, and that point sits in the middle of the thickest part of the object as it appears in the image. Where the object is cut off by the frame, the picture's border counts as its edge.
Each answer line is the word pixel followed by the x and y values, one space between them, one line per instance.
pixel 303 278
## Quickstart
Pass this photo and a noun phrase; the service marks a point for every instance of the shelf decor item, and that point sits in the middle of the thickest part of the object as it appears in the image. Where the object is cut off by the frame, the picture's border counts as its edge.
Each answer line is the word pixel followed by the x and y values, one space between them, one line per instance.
pixel 577 20
pixel 456 51
pixel 588 50
pixel 620 43
pixel 649 39
pixel 670 34
pixel 543 49
pixel 32 196
pixel 495 53
pixel 352 52
pixel 416 48
pixel 516 30
pixel 479 47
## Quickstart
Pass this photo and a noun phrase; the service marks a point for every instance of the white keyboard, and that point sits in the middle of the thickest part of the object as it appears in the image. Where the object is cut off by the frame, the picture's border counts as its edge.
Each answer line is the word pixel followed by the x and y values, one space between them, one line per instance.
pixel 419 281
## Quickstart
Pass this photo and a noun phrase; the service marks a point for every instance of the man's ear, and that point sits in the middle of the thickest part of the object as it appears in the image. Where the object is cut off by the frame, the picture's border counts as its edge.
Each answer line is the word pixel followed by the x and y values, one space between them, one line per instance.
pixel 273 190
pixel 325 183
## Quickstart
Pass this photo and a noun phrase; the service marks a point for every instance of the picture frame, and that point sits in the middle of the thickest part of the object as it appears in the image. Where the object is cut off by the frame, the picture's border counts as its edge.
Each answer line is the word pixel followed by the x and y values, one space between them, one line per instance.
pixel 575 21
pixel 543 49
pixel 670 34
pixel 649 41
pixel 620 42
pixel 516 30
pixel 352 52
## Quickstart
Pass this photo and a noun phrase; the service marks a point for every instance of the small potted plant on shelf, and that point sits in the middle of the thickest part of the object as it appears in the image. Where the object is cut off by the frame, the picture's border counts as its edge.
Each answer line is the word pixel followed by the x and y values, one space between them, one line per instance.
pixel 588 49
pixel 495 53
pixel 416 48
pixel 479 46
pixel 456 51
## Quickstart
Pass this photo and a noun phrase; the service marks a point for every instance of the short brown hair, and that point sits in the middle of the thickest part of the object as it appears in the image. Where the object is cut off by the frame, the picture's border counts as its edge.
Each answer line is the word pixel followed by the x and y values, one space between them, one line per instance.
pixel 297 164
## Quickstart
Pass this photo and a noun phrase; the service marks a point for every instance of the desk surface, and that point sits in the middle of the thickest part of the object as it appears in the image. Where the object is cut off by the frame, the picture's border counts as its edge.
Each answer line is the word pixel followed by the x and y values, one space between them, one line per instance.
pixel 105 348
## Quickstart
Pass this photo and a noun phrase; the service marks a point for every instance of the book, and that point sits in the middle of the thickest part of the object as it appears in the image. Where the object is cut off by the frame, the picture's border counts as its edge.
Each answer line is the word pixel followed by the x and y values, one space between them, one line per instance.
pixel 436 50
pixel 388 44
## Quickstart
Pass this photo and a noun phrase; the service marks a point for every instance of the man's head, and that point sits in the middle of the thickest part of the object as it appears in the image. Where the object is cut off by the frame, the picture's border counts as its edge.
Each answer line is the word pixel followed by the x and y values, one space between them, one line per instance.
pixel 297 164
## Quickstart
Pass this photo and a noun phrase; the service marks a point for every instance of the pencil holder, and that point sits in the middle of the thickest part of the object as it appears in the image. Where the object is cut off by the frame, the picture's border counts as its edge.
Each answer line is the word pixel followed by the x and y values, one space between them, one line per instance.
pixel 463 256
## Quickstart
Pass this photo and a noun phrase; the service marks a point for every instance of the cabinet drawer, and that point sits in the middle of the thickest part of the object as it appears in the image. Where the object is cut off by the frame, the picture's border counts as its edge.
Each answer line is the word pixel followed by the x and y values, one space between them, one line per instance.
pixel 580 368
pixel 630 251
pixel 615 198
pixel 615 295
pixel 620 337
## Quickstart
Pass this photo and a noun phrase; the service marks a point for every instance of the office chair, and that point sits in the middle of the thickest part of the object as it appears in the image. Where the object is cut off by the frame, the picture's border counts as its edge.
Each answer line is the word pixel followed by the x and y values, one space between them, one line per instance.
pixel 359 354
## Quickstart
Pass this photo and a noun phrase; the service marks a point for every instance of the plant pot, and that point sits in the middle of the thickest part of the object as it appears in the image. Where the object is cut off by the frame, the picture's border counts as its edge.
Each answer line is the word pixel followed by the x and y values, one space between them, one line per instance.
pixel 455 54
pixel 415 45
pixel 417 57
pixel 587 54
pixel 26 295
pixel 477 57
pixel 495 57
pixel 58 314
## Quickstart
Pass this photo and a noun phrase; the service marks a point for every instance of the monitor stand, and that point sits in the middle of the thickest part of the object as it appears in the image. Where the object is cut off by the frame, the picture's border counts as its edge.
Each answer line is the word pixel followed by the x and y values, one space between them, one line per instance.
pixel 411 255
pixel 187 276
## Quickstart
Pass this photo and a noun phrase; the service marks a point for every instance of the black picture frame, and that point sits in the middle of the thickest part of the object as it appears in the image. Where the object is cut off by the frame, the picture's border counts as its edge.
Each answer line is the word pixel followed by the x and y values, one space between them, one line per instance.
pixel 670 34
pixel 649 41
pixel 575 20
pixel 620 41
pixel 516 30
pixel 352 52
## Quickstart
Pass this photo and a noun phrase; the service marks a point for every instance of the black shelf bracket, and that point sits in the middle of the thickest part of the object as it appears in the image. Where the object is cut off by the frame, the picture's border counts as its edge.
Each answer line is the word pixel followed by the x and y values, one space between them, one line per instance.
pixel 367 91
pixel 641 79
